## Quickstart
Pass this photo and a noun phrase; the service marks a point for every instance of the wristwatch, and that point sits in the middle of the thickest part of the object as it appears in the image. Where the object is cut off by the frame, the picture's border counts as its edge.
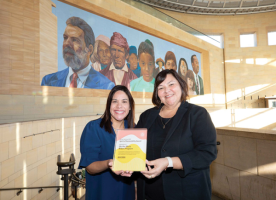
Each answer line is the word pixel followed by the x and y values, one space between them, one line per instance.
pixel 170 162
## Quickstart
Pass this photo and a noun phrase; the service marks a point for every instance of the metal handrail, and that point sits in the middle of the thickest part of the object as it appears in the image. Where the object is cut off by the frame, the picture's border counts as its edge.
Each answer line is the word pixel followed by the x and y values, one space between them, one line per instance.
pixel 41 133
pixel 31 188
pixel 34 134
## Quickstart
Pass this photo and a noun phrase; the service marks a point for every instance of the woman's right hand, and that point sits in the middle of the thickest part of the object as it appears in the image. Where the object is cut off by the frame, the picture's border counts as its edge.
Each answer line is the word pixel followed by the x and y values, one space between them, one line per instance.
pixel 158 165
pixel 121 172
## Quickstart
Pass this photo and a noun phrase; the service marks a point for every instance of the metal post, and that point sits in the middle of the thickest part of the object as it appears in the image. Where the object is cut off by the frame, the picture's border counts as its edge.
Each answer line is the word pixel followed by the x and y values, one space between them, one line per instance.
pixel 66 187
pixel 76 192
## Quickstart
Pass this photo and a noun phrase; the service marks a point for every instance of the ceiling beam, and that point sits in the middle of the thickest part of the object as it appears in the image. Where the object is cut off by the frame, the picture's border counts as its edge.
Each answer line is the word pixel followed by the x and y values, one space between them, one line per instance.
pixel 239 10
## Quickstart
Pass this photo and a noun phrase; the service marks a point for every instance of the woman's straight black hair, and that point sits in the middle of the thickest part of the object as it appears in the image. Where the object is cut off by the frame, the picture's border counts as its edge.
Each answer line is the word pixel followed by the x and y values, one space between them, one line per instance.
pixel 106 117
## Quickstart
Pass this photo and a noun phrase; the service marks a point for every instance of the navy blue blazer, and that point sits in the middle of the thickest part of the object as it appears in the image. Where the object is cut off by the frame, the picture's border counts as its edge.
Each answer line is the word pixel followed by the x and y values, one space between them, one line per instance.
pixel 95 80
pixel 192 138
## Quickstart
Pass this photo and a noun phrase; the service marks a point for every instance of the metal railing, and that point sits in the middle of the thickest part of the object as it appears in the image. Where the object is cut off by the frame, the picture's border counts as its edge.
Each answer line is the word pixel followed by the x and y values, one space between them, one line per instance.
pixel 31 188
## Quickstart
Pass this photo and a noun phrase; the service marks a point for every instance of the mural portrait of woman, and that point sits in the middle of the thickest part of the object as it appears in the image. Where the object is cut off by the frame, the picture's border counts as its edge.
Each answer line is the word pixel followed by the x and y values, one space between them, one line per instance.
pixel 182 68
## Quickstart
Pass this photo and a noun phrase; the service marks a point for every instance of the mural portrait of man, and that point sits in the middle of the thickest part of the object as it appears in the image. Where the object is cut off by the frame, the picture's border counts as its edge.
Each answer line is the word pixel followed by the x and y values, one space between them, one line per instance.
pixel 146 60
pixel 117 71
pixel 160 63
pixel 132 60
pixel 101 56
pixel 78 45
pixel 198 80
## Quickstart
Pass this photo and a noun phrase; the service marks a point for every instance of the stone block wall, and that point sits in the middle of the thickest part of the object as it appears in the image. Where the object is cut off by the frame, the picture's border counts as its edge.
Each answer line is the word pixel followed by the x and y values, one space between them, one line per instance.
pixel 246 165
pixel 29 160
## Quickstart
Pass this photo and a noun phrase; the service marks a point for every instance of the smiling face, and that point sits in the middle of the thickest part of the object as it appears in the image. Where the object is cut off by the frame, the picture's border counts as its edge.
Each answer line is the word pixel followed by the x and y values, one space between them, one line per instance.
pixel 104 53
pixel 146 63
pixel 75 53
pixel 119 107
pixel 170 64
pixel 118 56
pixel 169 91
pixel 183 68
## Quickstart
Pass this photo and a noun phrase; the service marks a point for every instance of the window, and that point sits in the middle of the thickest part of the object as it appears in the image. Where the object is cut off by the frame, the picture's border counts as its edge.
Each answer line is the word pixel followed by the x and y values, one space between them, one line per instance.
pixel 216 40
pixel 248 40
pixel 272 38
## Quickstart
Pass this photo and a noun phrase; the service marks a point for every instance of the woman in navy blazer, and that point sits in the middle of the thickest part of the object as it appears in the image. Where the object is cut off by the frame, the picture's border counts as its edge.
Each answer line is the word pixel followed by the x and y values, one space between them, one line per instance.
pixel 181 144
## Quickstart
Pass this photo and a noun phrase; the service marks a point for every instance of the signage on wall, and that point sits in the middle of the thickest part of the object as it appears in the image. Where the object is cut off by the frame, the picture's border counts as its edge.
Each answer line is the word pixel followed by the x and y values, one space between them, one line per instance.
pixel 97 53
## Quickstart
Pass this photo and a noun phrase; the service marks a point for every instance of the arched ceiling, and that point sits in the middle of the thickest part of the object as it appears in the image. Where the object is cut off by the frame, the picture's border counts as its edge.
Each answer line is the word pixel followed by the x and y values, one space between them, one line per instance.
pixel 215 7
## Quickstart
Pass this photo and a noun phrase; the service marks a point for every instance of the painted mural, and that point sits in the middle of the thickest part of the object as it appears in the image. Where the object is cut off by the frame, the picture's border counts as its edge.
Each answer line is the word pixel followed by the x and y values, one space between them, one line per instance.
pixel 97 53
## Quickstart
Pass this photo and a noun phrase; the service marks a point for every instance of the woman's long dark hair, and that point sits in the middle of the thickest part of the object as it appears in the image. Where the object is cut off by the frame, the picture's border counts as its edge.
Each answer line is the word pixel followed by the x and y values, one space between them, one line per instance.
pixel 179 72
pixel 191 76
pixel 106 118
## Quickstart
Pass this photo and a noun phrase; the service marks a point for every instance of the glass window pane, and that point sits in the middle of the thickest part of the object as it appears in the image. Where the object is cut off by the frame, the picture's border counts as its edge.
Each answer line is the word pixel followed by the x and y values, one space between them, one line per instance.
pixel 217 40
pixel 247 40
pixel 272 38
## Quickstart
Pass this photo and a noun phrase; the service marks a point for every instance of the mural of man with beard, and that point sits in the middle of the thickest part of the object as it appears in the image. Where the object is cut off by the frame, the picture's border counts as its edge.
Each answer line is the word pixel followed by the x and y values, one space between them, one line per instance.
pixel 78 45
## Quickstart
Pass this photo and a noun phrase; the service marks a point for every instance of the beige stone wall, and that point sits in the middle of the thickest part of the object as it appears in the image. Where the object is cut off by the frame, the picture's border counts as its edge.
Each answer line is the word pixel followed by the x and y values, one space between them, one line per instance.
pixel 28 39
pixel 48 39
pixel 21 108
pixel 250 72
pixel 30 161
pixel 245 167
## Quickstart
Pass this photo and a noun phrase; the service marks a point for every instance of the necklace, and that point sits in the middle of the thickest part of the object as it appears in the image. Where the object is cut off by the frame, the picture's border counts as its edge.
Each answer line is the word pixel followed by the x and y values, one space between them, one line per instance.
pixel 115 129
pixel 165 123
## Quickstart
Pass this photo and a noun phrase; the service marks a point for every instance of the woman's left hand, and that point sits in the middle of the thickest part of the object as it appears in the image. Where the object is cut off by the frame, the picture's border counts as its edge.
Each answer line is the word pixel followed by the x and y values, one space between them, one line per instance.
pixel 159 165
pixel 121 172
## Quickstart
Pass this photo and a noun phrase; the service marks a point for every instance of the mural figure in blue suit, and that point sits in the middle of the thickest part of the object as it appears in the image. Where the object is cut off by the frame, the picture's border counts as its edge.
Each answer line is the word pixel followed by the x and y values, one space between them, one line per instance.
pixel 78 46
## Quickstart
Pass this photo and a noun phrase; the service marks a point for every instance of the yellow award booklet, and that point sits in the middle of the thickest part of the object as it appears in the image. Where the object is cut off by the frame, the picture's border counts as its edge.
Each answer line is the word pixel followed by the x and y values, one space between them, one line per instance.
pixel 130 150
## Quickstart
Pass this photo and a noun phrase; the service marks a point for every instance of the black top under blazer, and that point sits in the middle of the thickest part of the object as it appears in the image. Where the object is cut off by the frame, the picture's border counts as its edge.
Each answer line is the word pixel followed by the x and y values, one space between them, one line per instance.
pixel 192 138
